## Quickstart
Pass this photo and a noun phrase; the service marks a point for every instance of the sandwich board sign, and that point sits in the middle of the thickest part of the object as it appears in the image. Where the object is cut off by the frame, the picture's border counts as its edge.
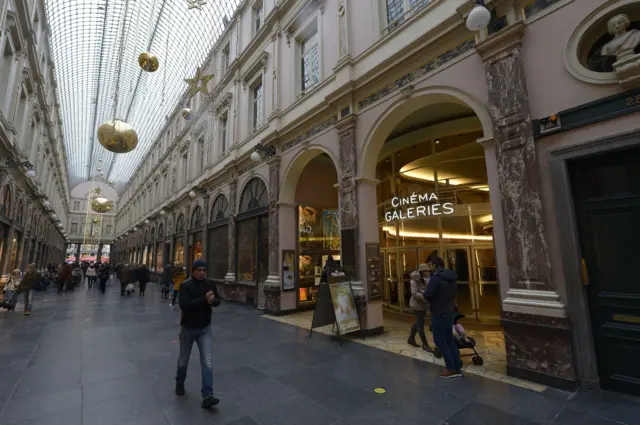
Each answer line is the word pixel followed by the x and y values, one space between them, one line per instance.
pixel 336 305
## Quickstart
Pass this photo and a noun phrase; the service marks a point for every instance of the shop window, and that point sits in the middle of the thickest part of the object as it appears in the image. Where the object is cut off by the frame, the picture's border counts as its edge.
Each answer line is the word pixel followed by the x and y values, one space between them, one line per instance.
pixel 220 209
pixel 197 217
pixel 217 251
pixel 253 233
pixel 5 205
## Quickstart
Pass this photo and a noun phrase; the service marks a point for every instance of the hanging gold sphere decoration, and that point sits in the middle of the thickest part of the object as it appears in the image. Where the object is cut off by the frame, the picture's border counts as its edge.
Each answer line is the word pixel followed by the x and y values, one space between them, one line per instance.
pixel 186 114
pixel 101 205
pixel 148 62
pixel 117 136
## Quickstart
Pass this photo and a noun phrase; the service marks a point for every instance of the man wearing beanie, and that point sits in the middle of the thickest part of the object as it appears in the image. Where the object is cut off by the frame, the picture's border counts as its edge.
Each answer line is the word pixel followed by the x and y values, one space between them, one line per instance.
pixel 197 297
pixel 441 294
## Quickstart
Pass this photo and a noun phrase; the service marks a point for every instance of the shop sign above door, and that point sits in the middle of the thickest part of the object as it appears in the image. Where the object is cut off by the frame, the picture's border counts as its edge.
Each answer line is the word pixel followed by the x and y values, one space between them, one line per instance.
pixel 416 208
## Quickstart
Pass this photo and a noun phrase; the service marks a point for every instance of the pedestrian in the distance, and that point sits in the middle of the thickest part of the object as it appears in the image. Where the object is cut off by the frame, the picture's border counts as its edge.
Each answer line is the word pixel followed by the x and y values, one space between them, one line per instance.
pixel 441 294
pixel 92 273
pixel 197 297
pixel 143 278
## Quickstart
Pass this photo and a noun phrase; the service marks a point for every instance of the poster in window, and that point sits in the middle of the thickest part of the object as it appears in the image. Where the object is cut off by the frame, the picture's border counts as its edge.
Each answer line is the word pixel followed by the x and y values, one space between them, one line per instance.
pixel 310 228
pixel 374 271
pixel 288 270
pixel 331 229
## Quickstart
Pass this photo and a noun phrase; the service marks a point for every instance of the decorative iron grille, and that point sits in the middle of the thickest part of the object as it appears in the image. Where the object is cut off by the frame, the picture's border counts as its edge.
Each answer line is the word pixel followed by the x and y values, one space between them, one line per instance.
pixel 254 195
pixel 196 217
pixel 220 209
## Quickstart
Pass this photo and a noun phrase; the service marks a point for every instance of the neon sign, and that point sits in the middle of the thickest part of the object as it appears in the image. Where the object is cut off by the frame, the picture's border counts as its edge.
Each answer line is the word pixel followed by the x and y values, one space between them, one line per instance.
pixel 415 210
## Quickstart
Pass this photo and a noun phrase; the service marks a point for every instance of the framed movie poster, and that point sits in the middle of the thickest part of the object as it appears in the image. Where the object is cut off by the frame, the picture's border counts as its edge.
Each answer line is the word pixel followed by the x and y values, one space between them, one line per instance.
pixel 288 270
pixel 374 271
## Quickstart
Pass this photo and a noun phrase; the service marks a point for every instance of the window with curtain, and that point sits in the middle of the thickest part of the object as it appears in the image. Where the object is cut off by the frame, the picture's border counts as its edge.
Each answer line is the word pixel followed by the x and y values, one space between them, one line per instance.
pixel 309 62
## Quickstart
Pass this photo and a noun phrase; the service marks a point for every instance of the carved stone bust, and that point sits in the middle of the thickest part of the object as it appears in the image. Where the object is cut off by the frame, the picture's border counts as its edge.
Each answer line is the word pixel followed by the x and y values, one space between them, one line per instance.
pixel 624 41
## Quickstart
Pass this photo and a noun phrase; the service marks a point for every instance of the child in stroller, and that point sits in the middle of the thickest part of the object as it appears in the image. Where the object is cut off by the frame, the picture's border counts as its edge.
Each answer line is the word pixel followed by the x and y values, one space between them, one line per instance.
pixel 463 341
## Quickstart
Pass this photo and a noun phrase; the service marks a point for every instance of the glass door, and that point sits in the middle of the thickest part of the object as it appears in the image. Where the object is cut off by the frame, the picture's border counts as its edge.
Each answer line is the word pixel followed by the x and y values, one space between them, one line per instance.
pixel 487 290
pixel 391 280
pixel 457 259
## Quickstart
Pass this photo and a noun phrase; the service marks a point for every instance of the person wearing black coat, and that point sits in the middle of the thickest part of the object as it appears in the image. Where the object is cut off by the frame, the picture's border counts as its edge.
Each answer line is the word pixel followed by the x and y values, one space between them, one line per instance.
pixel 103 275
pixel 143 278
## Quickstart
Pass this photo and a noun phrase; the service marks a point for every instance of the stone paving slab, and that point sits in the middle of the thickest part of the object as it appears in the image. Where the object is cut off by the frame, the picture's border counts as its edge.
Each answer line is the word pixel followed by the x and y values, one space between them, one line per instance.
pixel 83 358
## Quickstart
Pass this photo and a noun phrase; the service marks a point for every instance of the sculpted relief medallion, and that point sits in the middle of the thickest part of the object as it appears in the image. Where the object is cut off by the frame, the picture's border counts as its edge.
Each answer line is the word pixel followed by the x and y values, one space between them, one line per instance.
pixel 605 48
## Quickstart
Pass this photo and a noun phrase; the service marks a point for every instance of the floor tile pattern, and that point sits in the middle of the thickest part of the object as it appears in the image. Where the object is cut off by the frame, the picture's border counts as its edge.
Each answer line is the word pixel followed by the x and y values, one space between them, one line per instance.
pixel 83 358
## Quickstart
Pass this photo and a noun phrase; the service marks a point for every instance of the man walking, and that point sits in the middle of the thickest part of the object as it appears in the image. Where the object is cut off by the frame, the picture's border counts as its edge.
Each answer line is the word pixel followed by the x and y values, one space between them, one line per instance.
pixel 197 297
pixel 441 294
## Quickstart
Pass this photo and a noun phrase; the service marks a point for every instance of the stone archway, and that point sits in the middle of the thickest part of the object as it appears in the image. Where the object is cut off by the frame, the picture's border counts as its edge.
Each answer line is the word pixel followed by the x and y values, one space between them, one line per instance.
pixel 402 108
pixel 296 167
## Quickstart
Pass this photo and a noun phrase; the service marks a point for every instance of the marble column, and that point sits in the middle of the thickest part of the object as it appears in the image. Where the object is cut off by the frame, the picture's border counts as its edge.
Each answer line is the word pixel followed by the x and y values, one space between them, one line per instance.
pixel 231 266
pixel 272 286
pixel 348 196
pixel 537 331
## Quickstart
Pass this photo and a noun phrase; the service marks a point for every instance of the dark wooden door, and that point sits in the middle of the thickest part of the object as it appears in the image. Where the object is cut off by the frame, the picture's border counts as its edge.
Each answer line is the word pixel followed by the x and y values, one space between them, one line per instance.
pixel 606 190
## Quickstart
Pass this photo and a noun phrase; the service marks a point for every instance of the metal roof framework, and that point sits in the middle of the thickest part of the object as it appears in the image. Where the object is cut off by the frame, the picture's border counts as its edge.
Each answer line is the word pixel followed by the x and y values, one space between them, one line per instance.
pixel 95 46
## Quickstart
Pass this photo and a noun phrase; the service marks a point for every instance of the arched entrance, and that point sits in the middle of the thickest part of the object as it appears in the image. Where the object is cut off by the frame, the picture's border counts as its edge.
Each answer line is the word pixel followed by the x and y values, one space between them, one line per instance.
pixel 218 239
pixel 178 243
pixel 434 199
pixel 253 238
pixel 310 187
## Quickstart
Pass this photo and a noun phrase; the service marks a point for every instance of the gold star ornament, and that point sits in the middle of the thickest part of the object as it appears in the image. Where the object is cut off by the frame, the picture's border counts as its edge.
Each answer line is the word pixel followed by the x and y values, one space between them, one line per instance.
pixel 198 83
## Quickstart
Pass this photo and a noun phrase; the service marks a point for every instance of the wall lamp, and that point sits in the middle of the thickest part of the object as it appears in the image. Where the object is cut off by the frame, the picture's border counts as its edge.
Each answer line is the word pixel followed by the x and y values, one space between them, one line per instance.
pixel 26 164
pixel 194 192
pixel 479 17
pixel 260 150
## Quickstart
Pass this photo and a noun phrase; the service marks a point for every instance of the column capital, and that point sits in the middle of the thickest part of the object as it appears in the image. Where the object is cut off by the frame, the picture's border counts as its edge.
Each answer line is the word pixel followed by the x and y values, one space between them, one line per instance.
pixel 502 42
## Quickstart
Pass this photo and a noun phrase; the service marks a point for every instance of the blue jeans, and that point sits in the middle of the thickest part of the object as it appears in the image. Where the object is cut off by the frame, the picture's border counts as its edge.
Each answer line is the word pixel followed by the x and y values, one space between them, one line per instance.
pixel 204 339
pixel 443 338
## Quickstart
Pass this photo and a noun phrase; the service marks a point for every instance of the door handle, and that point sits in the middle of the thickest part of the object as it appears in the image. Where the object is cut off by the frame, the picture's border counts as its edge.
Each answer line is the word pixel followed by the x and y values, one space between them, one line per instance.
pixel 584 272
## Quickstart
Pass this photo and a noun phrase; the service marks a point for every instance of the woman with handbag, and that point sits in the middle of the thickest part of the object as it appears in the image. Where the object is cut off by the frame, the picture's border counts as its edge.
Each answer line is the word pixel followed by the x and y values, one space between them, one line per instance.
pixel 417 303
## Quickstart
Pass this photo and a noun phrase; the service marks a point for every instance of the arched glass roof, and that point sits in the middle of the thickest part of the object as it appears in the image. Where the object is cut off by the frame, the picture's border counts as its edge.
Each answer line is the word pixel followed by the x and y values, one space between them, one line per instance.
pixel 95 46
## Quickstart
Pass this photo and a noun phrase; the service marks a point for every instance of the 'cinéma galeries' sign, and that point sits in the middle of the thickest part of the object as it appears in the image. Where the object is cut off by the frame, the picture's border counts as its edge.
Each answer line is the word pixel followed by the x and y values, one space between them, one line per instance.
pixel 416 206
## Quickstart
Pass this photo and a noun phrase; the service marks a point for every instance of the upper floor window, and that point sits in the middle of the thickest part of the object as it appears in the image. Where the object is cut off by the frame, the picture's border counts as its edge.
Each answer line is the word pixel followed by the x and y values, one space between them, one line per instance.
pixel 258 18
pixel 185 168
pixel 76 205
pixel 224 59
pixel 201 153
pixel 74 227
pixel 108 231
pixel 223 132
pixel 309 61
pixel 257 104
pixel 399 10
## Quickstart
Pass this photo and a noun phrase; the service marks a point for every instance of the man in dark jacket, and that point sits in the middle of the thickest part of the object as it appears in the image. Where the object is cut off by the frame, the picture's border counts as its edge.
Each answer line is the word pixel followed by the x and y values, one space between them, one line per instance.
pixel 143 277
pixel 197 297
pixel 103 275
pixel 441 294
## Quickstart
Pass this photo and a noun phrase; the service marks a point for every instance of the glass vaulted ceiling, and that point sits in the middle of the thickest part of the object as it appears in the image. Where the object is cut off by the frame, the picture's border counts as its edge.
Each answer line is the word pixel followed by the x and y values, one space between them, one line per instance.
pixel 95 45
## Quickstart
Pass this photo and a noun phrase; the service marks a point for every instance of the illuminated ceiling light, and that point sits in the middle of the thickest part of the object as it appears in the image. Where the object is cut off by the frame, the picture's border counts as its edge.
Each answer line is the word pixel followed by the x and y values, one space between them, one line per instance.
pixel 430 235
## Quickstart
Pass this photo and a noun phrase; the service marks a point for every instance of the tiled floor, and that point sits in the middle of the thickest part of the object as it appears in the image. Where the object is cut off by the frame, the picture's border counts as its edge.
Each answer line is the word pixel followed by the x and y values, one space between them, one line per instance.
pixel 489 345
pixel 85 358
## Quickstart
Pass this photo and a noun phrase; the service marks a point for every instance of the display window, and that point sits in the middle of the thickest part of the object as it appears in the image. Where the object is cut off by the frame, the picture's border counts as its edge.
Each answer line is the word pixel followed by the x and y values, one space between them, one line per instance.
pixel 319 237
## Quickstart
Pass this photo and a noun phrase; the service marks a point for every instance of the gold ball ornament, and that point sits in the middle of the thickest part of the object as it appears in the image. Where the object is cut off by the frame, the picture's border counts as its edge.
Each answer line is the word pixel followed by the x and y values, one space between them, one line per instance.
pixel 148 62
pixel 117 136
pixel 186 114
pixel 101 205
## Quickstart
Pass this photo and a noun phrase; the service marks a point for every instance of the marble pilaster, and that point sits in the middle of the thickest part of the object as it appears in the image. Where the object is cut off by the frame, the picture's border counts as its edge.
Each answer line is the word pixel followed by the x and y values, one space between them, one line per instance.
pixel 533 315
pixel 273 279
pixel 348 196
